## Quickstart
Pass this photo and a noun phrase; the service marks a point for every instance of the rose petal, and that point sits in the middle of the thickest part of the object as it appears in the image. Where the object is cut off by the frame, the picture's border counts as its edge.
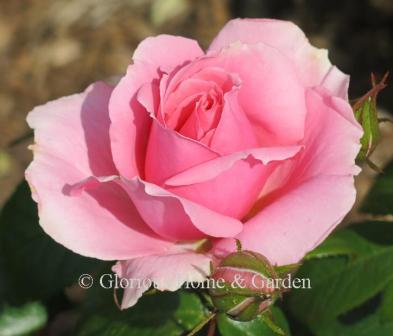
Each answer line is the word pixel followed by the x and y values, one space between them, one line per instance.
pixel 176 218
pixel 170 153
pixel 166 52
pixel 331 143
pixel 211 169
pixel 298 221
pixel 232 192
pixel 187 91
pixel 234 131
pixel 229 185
pixel 312 194
pixel 72 142
pixel 313 65
pixel 333 137
pixel 76 126
pixel 336 82
pixel 168 272
pixel 275 121
pixel 130 121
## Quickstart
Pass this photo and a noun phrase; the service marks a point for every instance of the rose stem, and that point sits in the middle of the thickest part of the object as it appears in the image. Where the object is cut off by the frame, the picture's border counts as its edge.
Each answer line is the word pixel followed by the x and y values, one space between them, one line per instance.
pixel 200 325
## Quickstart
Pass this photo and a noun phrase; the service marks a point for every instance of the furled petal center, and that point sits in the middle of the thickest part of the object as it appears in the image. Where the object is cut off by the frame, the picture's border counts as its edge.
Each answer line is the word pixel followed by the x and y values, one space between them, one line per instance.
pixel 193 108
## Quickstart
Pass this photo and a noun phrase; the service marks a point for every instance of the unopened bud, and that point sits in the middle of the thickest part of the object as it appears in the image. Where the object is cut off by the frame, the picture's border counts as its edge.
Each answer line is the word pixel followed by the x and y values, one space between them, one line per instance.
pixel 365 110
pixel 249 285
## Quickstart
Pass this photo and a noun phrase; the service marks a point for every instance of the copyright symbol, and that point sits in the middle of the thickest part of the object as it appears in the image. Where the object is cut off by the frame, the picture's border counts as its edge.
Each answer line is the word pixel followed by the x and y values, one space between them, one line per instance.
pixel 85 281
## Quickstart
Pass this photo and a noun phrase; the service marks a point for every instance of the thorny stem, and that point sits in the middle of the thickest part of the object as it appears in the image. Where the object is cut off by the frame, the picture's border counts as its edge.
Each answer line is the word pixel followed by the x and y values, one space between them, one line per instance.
pixel 376 87
pixel 200 325
pixel 212 327
pixel 373 166
pixel 205 298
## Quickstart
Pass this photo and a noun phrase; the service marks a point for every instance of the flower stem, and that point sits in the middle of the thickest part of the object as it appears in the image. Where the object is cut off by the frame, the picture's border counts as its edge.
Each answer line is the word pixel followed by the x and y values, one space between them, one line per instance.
pixel 212 327
pixel 200 325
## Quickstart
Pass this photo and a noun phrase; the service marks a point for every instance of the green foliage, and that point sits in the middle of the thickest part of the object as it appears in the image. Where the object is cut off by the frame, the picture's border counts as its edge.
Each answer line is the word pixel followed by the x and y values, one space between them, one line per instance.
pixel 230 327
pixel 377 232
pixel 35 265
pixel 371 325
pixel 386 309
pixel 379 200
pixel 343 289
pixel 349 270
pixel 23 320
pixel 166 314
pixel 344 242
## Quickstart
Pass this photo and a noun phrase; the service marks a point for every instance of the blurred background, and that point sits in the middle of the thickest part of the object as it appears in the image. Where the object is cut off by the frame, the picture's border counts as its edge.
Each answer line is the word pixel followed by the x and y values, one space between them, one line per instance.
pixel 52 48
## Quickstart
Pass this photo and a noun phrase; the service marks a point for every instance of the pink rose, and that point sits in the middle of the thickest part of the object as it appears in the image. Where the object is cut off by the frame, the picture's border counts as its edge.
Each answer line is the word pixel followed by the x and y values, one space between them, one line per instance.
pixel 254 139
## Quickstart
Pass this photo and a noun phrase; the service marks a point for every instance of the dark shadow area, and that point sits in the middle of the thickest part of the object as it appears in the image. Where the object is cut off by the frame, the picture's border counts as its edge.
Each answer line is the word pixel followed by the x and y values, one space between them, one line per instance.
pixel 359 313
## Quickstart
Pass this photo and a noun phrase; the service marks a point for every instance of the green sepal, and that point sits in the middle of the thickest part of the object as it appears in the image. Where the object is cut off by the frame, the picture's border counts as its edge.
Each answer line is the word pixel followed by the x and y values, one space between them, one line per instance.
pixel 249 260
pixel 227 289
pixel 266 317
pixel 249 313
pixel 365 110
pixel 284 270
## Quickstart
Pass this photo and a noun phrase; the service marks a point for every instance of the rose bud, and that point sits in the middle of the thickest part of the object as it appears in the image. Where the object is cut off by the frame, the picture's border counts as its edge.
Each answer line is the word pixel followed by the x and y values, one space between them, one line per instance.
pixel 366 114
pixel 245 285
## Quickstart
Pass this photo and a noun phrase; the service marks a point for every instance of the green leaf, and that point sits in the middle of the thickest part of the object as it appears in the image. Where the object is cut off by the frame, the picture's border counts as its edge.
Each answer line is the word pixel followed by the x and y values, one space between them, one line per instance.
pixel 321 268
pixel 17 321
pixel 3 280
pixel 343 242
pixel 379 200
pixel 35 264
pixel 344 285
pixel 163 314
pixel 370 326
pixel 378 320
pixel 229 327
pixel 386 309
pixel 377 232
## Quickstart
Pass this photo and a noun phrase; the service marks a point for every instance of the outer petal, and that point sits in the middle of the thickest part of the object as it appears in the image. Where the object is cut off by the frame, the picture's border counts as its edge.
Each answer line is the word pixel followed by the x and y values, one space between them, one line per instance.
pixel 297 222
pixel 231 193
pixel 167 52
pixel 168 272
pixel 130 122
pixel 72 143
pixel 312 64
pixel 211 169
pixel 331 142
pixel 333 137
pixel 309 197
pixel 336 82
pixel 230 184
pixel 75 128
pixel 266 73
pixel 177 218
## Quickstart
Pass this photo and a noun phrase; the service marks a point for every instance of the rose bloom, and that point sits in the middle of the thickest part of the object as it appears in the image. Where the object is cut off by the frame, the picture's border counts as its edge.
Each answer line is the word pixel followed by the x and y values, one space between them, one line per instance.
pixel 253 139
